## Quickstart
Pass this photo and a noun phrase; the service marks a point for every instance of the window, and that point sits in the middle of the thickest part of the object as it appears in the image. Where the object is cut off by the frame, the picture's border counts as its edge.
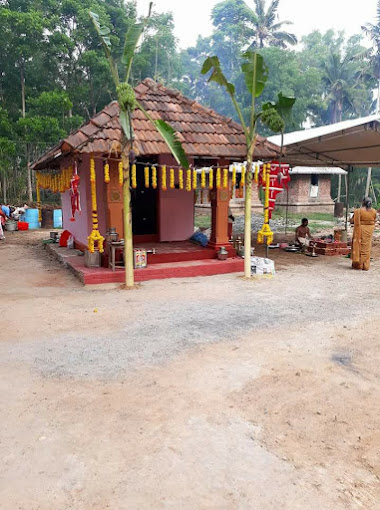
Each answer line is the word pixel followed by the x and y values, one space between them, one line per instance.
pixel 314 179
pixel 314 186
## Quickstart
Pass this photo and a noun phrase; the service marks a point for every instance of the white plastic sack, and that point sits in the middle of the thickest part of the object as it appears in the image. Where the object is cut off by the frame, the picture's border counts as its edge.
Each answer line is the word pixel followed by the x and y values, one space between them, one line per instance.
pixel 261 266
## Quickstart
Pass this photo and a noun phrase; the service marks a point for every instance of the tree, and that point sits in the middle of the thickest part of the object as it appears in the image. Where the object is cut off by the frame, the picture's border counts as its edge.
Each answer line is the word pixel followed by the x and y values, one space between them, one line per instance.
pixel 261 25
pixel 372 31
pixel 127 104
pixel 255 74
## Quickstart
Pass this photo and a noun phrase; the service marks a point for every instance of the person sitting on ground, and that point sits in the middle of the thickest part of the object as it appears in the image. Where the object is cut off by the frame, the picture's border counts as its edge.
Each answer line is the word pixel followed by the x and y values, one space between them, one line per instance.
pixel 303 235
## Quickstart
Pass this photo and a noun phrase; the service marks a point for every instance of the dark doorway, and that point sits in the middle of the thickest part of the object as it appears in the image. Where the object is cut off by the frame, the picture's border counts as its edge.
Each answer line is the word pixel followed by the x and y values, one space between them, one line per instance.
pixel 144 205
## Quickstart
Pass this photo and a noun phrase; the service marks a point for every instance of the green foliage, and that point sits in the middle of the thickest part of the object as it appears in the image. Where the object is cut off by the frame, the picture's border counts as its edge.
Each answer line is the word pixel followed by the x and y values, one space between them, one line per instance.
pixel 255 72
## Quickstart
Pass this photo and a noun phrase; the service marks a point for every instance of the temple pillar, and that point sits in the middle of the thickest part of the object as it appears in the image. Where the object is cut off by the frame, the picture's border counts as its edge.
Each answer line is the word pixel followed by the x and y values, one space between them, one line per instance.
pixel 220 199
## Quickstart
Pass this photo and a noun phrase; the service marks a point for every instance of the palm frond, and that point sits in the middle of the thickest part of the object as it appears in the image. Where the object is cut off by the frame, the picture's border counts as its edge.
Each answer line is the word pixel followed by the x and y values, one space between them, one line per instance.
pixel 271 13
pixel 260 8
pixel 283 38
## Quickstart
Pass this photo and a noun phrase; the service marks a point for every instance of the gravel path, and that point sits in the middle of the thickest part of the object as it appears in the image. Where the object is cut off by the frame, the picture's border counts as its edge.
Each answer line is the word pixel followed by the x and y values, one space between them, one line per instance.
pixel 203 393
pixel 166 317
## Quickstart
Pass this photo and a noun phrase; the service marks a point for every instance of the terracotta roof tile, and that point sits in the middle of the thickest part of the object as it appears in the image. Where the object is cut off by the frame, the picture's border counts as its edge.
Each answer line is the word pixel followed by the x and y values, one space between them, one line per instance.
pixel 203 131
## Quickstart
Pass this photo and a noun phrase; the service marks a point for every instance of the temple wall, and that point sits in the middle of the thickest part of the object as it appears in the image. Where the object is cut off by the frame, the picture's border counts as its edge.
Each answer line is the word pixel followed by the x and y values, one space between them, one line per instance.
pixel 81 227
pixel 175 208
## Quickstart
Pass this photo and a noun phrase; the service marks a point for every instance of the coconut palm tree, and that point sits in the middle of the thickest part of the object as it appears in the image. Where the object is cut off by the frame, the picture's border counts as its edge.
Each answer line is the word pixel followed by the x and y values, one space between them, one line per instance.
pixel 268 30
pixel 372 31
pixel 338 79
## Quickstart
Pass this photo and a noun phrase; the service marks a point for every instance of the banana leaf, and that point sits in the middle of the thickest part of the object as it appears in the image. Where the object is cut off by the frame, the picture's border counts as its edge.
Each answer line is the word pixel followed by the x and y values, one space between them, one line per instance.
pixel 255 72
pixel 103 33
pixel 131 41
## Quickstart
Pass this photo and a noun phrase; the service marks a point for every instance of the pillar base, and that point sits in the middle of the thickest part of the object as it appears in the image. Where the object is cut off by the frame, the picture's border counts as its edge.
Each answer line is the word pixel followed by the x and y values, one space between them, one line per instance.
pixel 228 246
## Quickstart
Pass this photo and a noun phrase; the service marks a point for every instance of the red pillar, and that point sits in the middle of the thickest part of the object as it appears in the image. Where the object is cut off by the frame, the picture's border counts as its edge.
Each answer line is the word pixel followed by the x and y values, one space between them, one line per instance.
pixel 220 199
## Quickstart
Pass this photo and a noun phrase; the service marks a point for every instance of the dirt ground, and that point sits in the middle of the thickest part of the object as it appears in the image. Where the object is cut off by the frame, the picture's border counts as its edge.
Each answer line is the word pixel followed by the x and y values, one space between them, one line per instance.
pixel 193 394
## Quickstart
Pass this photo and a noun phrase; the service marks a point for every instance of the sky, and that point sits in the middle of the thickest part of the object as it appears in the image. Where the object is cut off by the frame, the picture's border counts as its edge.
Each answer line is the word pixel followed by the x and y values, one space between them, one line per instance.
pixel 192 17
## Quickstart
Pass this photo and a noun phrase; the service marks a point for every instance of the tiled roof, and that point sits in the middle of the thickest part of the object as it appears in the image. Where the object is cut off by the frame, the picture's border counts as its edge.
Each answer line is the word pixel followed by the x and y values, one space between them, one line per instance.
pixel 203 132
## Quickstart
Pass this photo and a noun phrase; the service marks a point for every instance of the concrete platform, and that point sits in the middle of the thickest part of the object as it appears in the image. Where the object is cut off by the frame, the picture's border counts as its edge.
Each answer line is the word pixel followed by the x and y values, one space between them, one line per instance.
pixel 182 269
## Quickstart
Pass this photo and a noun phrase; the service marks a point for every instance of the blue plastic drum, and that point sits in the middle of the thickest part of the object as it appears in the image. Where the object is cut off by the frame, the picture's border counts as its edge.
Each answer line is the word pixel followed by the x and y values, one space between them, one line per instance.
pixel 57 218
pixel 31 217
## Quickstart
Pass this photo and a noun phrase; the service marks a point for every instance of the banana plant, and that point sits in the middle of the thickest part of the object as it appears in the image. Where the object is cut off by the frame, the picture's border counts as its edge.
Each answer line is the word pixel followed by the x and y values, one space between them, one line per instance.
pixel 128 103
pixel 256 75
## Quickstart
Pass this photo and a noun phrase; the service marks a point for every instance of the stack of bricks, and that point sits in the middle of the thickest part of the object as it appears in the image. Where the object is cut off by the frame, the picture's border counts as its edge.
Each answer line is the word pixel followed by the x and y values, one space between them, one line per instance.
pixel 330 248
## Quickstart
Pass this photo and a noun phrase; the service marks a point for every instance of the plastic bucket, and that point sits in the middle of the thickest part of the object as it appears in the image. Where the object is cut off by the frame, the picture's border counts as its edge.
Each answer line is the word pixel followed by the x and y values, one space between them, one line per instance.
pixel 22 225
pixel 57 218
pixel 31 217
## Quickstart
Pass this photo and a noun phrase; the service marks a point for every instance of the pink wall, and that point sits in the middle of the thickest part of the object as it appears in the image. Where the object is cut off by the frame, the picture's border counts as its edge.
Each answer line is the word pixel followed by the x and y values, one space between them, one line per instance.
pixel 175 209
pixel 81 227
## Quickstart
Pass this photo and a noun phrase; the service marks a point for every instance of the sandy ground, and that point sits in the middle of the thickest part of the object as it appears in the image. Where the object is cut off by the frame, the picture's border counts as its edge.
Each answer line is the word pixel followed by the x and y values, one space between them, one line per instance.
pixel 206 393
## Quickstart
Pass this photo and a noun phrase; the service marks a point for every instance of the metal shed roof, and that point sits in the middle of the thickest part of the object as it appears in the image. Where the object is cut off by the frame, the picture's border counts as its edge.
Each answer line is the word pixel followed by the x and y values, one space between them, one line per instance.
pixel 349 143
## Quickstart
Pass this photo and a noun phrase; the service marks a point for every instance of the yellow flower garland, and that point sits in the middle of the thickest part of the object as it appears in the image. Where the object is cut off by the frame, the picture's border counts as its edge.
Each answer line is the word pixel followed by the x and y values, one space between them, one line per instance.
pixel 106 173
pixel 211 179
pixel 146 176
pixel 154 177
pixel 121 173
pixel 257 173
pixel 225 178
pixel 134 177
pixel 172 180
pixel 188 180
pixel 194 179
pixel 164 186
pixel 233 176
pixel 242 181
pixel 218 178
pixel 180 178
pixel 38 192
pixel 203 179
pixel 95 236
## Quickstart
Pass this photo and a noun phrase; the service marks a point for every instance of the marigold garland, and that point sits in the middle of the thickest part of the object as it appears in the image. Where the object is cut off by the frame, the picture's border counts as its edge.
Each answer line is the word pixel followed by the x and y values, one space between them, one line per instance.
pixel 180 178
pixel 171 179
pixel 57 182
pixel 38 192
pixel 146 176
pixel 194 179
pixel 242 181
pixel 163 178
pixel 233 176
pixel 188 180
pixel 134 177
pixel 107 173
pixel 95 236
pixel 121 173
pixel 257 168
pixel 203 179
pixel 218 178
pixel 154 177
pixel 211 179
pixel 225 178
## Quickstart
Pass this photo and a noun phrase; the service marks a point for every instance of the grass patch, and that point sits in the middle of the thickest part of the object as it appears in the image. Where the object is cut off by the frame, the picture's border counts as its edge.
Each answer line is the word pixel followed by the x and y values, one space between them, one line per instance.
pixel 202 221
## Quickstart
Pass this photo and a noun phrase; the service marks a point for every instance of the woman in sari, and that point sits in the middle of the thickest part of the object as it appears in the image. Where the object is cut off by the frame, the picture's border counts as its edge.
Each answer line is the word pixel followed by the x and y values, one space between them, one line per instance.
pixel 364 225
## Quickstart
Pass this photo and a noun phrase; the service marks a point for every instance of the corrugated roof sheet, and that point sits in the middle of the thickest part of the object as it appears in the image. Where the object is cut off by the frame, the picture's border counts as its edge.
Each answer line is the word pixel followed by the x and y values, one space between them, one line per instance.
pixel 202 131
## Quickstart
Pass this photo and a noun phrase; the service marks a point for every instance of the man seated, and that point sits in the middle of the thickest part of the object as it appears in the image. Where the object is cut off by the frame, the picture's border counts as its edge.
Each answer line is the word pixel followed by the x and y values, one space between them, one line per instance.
pixel 303 235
